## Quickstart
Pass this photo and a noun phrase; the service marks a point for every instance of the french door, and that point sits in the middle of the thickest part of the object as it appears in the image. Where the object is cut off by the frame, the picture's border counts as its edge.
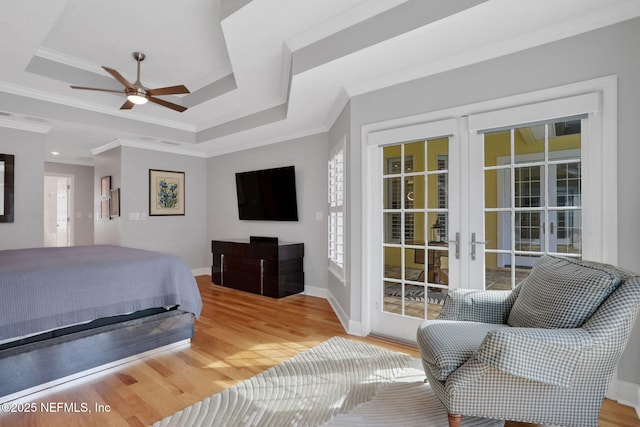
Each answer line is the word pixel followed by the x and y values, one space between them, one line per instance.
pixel 418 196
pixel 473 203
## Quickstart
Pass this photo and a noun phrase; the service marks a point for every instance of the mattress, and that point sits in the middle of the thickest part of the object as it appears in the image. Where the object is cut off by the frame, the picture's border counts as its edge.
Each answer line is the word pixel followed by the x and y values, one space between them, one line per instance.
pixel 42 289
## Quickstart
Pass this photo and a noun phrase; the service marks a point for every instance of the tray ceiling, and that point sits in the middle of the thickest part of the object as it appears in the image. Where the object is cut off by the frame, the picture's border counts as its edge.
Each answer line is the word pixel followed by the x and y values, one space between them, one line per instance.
pixel 259 71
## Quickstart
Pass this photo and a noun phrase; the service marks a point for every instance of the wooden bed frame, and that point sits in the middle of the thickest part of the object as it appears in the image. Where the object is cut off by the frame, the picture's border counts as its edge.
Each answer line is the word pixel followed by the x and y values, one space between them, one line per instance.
pixel 27 367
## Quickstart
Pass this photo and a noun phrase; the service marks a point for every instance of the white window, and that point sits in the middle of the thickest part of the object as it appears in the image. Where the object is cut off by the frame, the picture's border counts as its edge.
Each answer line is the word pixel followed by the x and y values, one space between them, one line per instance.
pixel 336 220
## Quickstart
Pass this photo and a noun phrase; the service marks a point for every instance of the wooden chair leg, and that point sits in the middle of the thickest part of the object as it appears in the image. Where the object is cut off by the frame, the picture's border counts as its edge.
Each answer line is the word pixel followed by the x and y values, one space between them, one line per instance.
pixel 455 420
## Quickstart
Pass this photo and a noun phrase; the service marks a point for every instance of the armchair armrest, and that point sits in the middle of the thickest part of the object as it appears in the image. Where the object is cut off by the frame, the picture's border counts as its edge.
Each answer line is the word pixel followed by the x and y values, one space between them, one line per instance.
pixel 549 356
pixel 478 306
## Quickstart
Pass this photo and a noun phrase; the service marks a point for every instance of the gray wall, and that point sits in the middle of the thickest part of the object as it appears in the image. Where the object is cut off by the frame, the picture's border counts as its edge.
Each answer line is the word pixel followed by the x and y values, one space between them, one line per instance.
pixel 106 231
pixel 612 50
pixel 183 236
pixel 339 291
pixel 82 198
pixel 27 230
pixel 309 156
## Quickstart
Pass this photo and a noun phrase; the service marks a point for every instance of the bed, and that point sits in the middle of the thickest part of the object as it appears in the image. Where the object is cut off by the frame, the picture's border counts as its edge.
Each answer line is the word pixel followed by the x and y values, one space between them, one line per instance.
pixel 69 310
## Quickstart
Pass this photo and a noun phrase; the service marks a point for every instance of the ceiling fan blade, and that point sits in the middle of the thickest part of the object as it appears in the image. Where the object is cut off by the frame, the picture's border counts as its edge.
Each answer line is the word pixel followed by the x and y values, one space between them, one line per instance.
pixel 127 105
pixel 169 90
pixel 96 88
pixel 167 104
pixel 119 77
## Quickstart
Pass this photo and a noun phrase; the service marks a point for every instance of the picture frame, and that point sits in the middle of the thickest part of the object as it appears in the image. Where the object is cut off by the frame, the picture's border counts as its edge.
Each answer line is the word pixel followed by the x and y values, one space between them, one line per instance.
pixel 114 211
pixel 105 197
pixel 105 186
pixel 166 193
pixel 105 208
pixel 7 164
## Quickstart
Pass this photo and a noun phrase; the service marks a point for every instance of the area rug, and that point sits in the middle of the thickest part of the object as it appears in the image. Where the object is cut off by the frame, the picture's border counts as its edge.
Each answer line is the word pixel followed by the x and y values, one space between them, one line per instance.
pixel 339 382
pixel 415 293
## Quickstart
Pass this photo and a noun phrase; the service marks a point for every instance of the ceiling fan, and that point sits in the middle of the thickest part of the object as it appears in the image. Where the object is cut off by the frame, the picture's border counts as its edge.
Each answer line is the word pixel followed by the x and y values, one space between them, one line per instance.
pixel 137 93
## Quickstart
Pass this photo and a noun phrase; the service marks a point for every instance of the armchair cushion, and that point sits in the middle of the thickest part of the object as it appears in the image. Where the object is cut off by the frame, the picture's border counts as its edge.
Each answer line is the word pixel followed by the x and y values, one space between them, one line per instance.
pixel 447 344
pixel 561 293
pixel 550 356
pixel 478 306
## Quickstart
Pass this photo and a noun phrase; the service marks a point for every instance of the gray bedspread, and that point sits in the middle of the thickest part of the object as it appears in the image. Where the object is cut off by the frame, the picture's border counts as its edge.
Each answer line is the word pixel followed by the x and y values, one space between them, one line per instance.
pixel 48 288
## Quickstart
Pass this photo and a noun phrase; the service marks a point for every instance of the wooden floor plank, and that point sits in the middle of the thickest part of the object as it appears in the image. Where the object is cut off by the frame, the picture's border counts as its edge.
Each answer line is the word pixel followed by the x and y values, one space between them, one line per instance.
pixel 237 336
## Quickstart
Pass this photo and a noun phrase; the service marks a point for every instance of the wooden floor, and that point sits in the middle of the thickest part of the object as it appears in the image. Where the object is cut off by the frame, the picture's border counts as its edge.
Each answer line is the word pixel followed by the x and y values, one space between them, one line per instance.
pixel 237 336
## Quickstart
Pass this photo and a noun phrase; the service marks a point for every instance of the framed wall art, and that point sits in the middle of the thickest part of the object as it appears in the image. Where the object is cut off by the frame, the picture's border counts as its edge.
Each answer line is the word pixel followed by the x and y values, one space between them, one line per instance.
pixel 105 197
pixel 7 162
pixel 115 203
pixel 166 192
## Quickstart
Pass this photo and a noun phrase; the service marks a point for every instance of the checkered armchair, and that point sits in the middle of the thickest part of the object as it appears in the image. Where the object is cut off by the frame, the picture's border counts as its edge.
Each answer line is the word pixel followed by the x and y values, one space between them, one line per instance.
pixel 542 353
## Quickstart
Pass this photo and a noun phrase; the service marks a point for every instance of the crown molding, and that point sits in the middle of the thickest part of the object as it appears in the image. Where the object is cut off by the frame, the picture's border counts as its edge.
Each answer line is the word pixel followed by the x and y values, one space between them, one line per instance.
pixel 146 145
pixel 29 127
pixel 72 61
pixel 71 102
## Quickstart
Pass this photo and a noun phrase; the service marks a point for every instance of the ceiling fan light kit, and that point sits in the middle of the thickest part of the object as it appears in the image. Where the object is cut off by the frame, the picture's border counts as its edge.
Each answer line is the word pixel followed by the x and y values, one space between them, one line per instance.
pixel 137 94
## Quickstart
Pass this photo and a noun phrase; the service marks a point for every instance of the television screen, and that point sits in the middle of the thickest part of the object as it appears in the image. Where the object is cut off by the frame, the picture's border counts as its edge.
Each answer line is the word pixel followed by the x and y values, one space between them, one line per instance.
pixel 268 194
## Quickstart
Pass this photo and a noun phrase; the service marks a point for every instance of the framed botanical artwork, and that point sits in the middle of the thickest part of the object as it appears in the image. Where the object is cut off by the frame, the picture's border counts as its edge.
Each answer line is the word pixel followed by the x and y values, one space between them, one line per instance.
pixel 166 192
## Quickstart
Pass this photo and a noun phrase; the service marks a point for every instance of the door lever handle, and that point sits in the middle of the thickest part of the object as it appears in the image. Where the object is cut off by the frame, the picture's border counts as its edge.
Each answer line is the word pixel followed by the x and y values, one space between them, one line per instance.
pixel 473 246
pixel 457 243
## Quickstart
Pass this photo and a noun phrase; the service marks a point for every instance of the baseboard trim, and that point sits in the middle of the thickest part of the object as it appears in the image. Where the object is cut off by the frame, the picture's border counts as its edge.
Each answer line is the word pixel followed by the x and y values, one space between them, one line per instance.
pixel 625 393
pixel 337 309
pixel 201 271
pixel 351 327
pixel 314 291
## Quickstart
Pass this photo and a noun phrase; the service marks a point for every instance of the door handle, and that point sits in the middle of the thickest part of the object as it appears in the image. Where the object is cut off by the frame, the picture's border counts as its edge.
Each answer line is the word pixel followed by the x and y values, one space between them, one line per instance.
pixel 544 229
pixel 457 243
pixel 473 246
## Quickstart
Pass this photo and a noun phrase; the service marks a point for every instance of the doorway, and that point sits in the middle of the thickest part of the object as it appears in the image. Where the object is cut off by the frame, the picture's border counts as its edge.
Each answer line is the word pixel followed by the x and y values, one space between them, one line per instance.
pixel 58 210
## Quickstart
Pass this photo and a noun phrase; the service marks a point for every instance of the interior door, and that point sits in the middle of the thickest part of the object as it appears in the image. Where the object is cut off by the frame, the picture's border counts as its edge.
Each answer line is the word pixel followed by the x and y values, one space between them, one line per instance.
pixel 57 211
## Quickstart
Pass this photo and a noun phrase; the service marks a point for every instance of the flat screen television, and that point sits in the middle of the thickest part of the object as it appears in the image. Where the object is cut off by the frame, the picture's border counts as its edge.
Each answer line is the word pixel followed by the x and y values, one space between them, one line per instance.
pixel 267 195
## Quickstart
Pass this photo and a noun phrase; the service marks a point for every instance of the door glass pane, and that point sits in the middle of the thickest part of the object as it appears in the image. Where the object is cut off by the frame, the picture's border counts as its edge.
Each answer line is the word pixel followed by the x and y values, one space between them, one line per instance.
pixel 437 154
pixel 528 231
pixel 414 192
pixel 438 185
pixel 497 146
pixel 528 144
pixel 392 263
pixel 528 187
pixel 568 231
pixel 414 157
pixel 392 300
pixel 414 301
pixel 392 194
pixel 392 160
pixel 497 186
pixel 392 227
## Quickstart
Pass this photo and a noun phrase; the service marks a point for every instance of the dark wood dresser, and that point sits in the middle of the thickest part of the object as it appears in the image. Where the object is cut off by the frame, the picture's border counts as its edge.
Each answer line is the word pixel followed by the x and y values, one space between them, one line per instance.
pixel 261 266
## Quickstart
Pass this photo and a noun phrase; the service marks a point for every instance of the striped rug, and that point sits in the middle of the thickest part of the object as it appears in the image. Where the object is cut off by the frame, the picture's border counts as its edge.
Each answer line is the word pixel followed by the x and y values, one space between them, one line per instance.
pixel 339 382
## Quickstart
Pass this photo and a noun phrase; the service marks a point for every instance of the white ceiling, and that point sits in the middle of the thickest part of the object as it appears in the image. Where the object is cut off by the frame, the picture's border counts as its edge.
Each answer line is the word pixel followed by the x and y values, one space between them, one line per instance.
pixel 259 71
